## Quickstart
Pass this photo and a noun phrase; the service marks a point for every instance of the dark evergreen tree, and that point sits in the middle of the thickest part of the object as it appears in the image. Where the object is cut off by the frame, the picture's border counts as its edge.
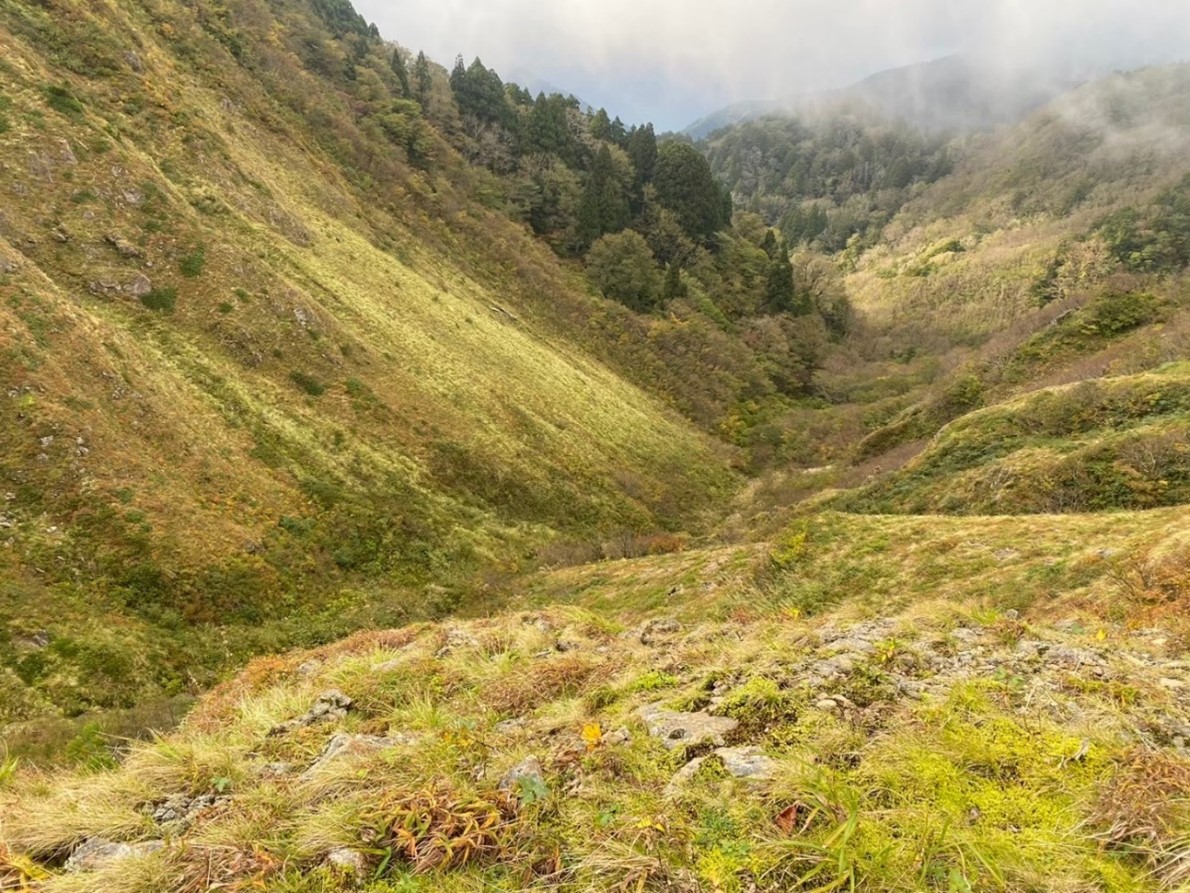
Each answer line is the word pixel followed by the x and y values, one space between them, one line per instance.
pixel 684 185
pixel 398 66
pixel 604 207
pixel 548 130
pixel 422 81
pixel 458 76
pixel 673 287
pixel 769 245
pixel 641 146
pixel 619 134
pixel 601 126
pixel 779 294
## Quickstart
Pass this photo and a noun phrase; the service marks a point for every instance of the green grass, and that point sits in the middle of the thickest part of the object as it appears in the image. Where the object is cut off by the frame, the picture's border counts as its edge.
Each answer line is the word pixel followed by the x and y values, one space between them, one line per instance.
pixel 1101 444
pixel 162 300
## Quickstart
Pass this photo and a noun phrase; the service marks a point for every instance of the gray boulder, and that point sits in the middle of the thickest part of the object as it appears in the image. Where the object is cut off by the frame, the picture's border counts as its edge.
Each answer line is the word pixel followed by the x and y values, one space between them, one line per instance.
pixel 676 729
pixel 96 852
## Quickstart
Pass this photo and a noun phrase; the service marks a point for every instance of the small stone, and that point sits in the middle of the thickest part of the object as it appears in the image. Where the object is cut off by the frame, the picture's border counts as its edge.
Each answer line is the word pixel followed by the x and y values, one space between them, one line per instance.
pixel 1072 657
pixel 612 739
pixel 331 705
pixel 1171 684
pixel 343 745
pixel 658 630
pixel 1012 614
pixel 181 809
pixel 826 704
pixel 529 768
pixel 747 762
pixel 140 285
pixel 455 639
pixel 123 247
pixel 347 861
pixel 95 852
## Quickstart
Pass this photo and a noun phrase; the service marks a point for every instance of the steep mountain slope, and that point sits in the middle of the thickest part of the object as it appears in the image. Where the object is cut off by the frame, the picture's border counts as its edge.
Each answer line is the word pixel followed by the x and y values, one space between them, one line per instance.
pixel 969 254
pixel 262 368
pixel 282 367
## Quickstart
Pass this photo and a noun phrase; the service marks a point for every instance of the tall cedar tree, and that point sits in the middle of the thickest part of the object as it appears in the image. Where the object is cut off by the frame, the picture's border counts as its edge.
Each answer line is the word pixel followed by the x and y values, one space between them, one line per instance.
pixel 423 81
pixel 548 129
pixel 398 67
pixel 604 207
pixel 685 185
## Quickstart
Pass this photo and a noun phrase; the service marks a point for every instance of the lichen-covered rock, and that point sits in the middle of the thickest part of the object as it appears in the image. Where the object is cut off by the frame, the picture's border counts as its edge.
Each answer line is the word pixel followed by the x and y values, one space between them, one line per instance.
pixel 748 763
pixel 676 729
pixel 528 769
pixel 123 247
pixel 95 852
pixel 180 809
pixel 330 706
pixel 343 746
pixel 139 286
pixel 656 631
pixel 347 861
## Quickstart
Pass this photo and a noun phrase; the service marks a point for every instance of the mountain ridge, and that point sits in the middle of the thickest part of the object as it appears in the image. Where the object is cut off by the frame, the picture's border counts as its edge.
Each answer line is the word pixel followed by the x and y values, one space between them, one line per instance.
pixel 953 93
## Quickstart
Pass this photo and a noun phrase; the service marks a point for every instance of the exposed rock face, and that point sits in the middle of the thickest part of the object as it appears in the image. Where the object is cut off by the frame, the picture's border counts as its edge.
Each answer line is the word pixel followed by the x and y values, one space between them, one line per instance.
pixel 687 729
pixel 123 247
pixel 140 286
pixel 95 852
pixel 331 705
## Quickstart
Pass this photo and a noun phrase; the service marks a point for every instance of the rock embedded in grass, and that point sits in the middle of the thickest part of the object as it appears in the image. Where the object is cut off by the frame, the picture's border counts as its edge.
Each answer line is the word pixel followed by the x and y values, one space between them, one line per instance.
pixel 96 852
pixel 331 705
pixel 657 631
pixel 677 729
pixel 343 745
pixel 529 769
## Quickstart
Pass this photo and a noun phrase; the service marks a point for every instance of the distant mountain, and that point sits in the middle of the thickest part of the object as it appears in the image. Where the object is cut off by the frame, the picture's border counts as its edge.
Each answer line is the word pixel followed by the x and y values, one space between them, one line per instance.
pixel 953 93
pixel 535 84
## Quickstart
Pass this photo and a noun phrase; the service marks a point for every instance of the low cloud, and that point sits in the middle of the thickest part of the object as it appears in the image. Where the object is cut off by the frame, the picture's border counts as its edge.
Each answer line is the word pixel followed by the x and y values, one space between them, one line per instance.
pixel 673 60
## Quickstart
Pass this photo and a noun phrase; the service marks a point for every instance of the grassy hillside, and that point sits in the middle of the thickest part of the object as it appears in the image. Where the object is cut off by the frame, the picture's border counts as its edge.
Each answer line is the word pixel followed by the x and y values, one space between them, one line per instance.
pixel 843 551
pixel 867 704
pixel 1021 218
pixel 264 369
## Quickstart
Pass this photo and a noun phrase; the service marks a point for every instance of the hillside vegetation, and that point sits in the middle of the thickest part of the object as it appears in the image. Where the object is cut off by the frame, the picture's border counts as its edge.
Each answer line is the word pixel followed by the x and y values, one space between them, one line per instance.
pixel 408 483
pixel 257 362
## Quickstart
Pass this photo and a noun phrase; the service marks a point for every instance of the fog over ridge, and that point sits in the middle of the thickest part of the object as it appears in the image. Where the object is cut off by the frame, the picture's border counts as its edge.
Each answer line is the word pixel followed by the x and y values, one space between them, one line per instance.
pixel 672 61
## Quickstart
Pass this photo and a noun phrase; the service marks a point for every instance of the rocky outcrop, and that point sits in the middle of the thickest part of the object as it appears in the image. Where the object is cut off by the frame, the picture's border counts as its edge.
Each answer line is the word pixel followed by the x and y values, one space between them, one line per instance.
pixel 331 705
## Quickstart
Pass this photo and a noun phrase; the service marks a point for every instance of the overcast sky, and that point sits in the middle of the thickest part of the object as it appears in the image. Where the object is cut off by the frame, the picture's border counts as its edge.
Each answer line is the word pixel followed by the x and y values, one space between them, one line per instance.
pixel 672 61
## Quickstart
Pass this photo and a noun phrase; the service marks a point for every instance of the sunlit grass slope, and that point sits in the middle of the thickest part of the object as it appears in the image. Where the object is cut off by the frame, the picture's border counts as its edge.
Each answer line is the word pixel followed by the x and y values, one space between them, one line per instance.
pixel 249 381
